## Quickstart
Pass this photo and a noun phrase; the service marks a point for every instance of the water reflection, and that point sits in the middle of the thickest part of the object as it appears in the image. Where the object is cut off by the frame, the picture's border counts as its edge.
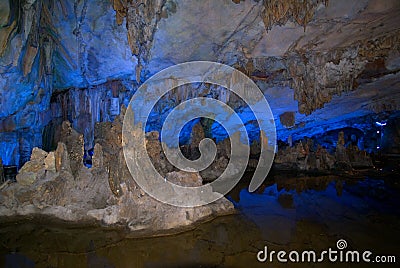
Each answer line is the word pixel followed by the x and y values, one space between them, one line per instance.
pixel 287 213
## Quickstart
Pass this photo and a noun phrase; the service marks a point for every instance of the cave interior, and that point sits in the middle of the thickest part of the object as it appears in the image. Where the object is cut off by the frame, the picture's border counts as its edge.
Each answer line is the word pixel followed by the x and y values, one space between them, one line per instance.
pixel 330 71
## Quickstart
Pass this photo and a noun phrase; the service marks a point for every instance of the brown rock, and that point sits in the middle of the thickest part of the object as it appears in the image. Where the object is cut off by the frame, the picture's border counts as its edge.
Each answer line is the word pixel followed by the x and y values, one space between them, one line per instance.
pixel 358 158
pixel 281 11
pixel 341 153
pixel 38 155
pixel 33 169
pixel 75 146
pixel 142 22
pixel 62 162
pixel 215 170
pixel 50 162
pixel 255 148
pixel 97 160
pixel 183 178
pixel 26 178
pixel 29 58
pixel 341 138
pixel 5 34
pixel 32 166
pixel 153 146
pixel 328 161
pixel 197 135
pixel 287 119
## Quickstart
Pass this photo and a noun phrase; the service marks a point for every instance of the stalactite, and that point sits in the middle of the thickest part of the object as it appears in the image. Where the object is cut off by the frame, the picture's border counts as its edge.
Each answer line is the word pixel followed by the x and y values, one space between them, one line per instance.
pixel 84 108
pixel 12 25
pixel 5 34
pixel 27 19
pixel 36 19
pixel 317 77
pixel 29 58
pixel 279 12
pixel 120 8
pixel 142 18
pixel 138 70
pixel 79 18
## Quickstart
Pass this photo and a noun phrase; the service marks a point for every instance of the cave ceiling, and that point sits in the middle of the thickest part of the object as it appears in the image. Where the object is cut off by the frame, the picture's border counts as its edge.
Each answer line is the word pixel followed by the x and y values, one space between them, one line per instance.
pixel 328 63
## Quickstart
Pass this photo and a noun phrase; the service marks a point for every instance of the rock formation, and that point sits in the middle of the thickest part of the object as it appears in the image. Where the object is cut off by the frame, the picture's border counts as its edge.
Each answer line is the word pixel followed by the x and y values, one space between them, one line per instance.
pixel 57 184
pixel 68 69
pixel 33 169
pixel 307 57
pixel 308 156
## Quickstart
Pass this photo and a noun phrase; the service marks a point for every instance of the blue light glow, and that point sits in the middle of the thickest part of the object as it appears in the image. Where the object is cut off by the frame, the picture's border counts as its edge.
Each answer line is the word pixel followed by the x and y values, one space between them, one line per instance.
pixel 7 152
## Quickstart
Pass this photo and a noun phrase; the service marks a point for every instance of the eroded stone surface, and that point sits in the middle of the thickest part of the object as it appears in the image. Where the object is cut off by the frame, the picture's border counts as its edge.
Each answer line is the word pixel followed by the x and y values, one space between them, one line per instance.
pixel 50 162
pixel 33 169
pixel 62 161
pixel 182 178
pixel 313 157
pixel 51 184
pixel 74 142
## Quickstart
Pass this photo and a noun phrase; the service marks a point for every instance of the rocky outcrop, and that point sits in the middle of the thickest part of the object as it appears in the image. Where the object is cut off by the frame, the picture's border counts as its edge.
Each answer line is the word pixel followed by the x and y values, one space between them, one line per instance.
pixel 156 154
pixel 61 157
pixel 74 142
pixel 33 169
pixel 307 156
pixel 58 185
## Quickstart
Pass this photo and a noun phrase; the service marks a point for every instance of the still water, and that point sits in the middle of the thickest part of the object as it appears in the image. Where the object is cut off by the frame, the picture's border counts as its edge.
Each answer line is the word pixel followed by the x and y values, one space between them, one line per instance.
pixel 287 213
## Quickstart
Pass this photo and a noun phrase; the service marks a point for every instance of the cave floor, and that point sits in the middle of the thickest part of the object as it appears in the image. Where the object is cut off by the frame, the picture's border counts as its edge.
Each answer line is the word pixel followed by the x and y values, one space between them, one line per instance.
pixel 287 213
